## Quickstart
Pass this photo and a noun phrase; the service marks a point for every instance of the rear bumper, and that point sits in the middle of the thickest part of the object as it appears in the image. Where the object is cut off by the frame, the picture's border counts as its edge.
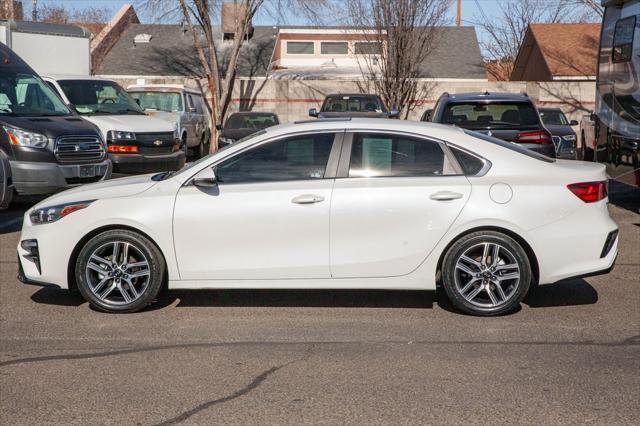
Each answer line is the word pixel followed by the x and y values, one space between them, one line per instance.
pixel 140 163
pixel 34 178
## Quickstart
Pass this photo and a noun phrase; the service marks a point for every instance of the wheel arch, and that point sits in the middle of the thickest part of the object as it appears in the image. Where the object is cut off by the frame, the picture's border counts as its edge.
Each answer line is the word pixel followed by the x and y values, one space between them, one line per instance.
pixel 71 279
pixel 533 260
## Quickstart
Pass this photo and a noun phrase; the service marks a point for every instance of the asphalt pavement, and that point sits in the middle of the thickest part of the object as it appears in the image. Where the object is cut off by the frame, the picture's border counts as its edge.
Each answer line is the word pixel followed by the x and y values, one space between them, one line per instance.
pixel 570 355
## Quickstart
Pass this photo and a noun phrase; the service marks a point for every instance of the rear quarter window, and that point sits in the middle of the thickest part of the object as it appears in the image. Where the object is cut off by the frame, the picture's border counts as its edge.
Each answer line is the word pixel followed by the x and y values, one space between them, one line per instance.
pixel 471 165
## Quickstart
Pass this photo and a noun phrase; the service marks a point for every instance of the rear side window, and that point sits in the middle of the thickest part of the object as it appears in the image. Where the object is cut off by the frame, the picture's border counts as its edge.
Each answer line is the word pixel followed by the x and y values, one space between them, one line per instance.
pixel 511 145
pixel 471 165
pixel 385 155
pixel 495 115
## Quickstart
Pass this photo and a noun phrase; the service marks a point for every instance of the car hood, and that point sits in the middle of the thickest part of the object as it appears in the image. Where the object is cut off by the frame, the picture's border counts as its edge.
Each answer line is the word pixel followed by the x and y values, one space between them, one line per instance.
pixel 559 129
pixel 113 188
pixel 164 115
pixel 130 123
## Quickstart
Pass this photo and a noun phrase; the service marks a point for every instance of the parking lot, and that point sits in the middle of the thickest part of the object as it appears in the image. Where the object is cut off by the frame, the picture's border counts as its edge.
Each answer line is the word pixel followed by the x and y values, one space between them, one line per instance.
pixel 570 355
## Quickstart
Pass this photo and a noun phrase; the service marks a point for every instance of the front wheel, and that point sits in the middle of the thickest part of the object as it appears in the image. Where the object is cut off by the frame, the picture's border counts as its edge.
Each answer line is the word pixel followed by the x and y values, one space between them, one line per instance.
pixel 486 273
pixel 120 271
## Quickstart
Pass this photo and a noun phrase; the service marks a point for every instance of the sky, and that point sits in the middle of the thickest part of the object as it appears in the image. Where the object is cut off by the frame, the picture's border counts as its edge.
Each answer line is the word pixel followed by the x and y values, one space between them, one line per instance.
pixel 469 9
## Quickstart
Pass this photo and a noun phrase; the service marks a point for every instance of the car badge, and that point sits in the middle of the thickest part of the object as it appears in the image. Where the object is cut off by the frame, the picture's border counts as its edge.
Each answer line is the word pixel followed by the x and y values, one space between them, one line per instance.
pixel 157 142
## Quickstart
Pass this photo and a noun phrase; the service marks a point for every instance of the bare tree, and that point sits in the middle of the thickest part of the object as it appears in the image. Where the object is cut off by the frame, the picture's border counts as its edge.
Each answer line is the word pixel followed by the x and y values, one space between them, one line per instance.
pixel 91 17
pixel 503 34
pixel 401 36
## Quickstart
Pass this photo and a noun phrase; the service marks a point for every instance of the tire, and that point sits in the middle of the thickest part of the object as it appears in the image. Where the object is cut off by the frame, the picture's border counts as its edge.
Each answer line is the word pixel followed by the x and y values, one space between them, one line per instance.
pixel 116 288
pixel 184 147
pixel 491 287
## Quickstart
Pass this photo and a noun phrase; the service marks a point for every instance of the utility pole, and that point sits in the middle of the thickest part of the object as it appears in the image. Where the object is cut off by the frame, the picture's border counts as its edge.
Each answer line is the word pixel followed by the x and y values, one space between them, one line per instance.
pixel 34 10
pixel 458 12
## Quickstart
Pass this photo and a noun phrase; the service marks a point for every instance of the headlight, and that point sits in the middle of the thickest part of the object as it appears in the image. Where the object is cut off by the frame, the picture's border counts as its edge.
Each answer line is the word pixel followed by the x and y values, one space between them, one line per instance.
pixel 117 135
pixel 53 213
pixel 569 137
pixel 226 140
pixel 175 133
pixel 24 138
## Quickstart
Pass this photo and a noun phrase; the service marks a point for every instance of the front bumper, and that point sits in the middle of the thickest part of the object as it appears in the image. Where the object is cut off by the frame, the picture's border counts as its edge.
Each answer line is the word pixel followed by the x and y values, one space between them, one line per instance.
pixel 34 178
pixel 140 163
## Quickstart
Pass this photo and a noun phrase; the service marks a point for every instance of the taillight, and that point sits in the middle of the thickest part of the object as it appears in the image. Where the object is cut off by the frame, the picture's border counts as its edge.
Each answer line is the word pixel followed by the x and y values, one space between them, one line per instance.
pixel 536 136
pixel 122 149
pixel 589 192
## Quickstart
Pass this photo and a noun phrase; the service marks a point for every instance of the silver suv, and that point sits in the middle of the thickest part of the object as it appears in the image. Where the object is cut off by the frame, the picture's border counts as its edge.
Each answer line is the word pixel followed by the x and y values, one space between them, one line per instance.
pixel 180 105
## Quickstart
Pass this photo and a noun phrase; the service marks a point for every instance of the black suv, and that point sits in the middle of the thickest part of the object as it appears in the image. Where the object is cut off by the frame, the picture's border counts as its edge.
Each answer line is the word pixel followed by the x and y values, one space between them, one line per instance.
pixel 507 116
pixel 353 105
pixel 44 146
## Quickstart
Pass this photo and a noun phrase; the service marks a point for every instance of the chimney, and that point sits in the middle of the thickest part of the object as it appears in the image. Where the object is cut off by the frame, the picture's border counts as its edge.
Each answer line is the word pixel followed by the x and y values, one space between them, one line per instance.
pixel 232 16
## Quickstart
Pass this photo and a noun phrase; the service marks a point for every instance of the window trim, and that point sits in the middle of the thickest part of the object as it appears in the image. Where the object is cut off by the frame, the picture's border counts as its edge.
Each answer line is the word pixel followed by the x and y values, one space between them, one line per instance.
pixel 329 172
pixel 345 155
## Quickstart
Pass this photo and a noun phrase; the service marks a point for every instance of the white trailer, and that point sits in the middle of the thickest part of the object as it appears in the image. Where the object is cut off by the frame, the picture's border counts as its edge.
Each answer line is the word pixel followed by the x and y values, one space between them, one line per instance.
pixel 49 48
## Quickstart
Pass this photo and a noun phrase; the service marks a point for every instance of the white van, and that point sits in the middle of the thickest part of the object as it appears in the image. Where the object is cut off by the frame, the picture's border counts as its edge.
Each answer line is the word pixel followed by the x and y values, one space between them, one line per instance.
pixel 137 143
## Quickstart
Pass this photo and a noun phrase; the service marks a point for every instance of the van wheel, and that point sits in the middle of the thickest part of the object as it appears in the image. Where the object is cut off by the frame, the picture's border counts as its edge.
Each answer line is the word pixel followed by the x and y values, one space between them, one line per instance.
pixel 200 151
pixel 120 271
pixel 486 273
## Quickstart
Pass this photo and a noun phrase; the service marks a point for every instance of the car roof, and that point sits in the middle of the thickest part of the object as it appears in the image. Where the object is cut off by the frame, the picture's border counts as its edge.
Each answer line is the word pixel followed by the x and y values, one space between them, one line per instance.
pixel 351 94
pixel 58 77
pixel 253 113
pixel 162 88
pixel 485 96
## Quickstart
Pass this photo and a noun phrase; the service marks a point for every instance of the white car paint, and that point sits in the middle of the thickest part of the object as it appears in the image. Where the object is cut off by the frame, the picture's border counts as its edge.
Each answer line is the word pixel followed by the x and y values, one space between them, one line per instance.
pixel 378 233
pixel 116 122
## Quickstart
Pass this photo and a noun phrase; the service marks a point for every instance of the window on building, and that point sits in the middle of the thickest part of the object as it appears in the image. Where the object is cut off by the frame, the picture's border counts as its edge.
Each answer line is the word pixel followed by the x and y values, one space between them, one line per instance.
pixel 367 48
pixel 300 48
pixel 334 48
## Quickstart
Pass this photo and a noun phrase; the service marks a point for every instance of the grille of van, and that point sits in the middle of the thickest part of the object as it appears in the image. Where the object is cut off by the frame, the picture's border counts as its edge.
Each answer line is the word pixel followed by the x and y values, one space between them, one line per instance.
pixel 79 149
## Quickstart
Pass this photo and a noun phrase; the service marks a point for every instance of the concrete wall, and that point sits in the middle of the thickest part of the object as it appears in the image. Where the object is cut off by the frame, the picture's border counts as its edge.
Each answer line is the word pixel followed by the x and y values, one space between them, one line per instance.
pixel 291 99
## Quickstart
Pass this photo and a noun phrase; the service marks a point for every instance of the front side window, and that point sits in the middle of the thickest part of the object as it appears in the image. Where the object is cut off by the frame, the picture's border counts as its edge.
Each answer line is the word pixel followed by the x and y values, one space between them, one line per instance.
pixel 300 48
pixel 381 155
pixel 295 158
pixel 495 115
pixel 623 39
pixel 159 101
pixel 25 94
pixel 99 97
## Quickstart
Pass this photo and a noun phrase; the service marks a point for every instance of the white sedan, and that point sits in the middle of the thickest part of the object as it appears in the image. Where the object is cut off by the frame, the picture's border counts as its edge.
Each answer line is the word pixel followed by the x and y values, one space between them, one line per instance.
pixel 331 204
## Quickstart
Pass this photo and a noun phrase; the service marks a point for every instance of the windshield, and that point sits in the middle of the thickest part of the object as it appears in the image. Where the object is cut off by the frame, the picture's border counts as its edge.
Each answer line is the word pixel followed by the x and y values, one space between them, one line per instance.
pixel 353 104
pixel 553 117
pixel 494 115
pixel 158 101
pixel 251 121
pixel 25 94
pixel 99 97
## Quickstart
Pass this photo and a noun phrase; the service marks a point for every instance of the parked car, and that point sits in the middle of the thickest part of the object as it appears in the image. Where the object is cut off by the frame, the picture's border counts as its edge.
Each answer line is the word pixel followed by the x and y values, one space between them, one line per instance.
pixel 562 135
pixel 332 204
pixel 239 125
pixel 181 106
pixel 426 115
pixel 136 142
pixel 507 116
pixel 44 146
pixel 353 105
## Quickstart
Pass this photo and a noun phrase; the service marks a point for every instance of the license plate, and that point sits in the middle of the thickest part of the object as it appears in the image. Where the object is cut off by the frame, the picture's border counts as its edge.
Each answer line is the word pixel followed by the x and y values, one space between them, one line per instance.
pixel 87 171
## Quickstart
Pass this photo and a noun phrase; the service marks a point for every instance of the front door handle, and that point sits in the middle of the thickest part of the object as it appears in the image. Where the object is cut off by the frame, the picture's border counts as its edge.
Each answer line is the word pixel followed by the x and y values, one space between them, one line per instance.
pixel 307 199
pixel 446 196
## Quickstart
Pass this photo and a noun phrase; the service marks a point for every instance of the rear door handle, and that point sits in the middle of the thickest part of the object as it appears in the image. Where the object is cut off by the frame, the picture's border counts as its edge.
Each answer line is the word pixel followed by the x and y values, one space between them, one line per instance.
pixel 445 196
pixel 307 199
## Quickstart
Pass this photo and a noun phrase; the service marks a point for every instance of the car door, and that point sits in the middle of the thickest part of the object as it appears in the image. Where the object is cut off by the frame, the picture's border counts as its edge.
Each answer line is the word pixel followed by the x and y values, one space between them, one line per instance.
pixel 395 197
pixel 268 217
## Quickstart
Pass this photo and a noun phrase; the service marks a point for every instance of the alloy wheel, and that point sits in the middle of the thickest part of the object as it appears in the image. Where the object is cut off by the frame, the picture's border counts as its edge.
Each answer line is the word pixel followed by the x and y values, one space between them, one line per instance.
pixel 487 275
pixel 118 273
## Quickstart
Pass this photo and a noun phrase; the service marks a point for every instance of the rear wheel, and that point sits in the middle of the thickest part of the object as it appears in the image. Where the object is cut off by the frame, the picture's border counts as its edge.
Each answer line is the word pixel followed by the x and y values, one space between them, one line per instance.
pixel 120 271
pixel 486 273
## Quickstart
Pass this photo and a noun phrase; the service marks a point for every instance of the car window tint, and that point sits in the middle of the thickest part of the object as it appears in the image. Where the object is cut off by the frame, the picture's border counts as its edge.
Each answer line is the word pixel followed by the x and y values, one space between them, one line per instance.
pixel 378 155
pixel 296 158
pixel 471 165
pixel 495 115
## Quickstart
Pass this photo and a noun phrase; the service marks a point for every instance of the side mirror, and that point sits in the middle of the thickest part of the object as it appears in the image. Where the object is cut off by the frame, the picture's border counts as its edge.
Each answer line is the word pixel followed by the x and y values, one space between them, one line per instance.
pixel 206 178
pixel 573 123
pixel 138 101
pixel 218 126
pixel 394 113
pixel 313 112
